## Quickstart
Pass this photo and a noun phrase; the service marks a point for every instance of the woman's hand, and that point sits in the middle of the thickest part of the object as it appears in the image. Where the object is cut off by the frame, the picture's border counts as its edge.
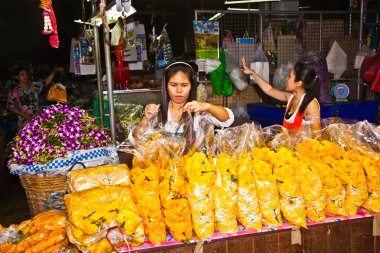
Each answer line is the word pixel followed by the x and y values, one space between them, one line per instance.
pixel 195 106
pixel 150 111
pixel 245 69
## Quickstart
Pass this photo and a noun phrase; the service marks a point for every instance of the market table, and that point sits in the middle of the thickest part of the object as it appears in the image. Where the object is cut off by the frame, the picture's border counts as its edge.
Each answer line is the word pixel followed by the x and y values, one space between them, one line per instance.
pixel 267 114
pixel 337 234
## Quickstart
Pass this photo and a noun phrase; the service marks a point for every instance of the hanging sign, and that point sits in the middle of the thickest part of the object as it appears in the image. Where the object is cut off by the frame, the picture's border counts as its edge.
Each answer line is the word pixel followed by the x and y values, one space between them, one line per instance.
pixel 206 37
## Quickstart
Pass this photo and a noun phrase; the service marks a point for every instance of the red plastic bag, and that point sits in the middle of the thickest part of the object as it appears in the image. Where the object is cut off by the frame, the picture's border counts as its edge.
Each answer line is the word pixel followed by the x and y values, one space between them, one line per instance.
pixel 370 68
pixel 375 86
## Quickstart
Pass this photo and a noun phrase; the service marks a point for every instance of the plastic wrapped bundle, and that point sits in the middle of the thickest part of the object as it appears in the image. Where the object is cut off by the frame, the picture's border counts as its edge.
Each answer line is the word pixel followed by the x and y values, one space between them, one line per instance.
pixel 351 173
pixel 105 207
pixel 267 191
pixel 372 170
pixel 145 178
pixel 176 209
pixel 112 174
pixel 318 61
pixel 201 176
pixel 237 76
pixel 43 233
pixel 225 193
pixel 248 213
pixel 323 155
pixel 312 190
pixel 291 203
pixel 175 206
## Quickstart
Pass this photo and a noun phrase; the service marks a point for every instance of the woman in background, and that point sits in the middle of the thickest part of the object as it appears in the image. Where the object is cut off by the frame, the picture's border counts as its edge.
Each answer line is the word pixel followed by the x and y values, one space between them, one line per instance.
pixel 302 88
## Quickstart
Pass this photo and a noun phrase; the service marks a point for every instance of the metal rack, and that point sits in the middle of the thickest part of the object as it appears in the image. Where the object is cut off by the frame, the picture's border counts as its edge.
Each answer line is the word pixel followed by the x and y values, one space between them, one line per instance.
pixel 295 33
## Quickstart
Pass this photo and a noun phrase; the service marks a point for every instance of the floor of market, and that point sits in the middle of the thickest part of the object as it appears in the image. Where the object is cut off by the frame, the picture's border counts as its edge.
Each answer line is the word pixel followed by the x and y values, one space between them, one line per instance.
pixel 13 203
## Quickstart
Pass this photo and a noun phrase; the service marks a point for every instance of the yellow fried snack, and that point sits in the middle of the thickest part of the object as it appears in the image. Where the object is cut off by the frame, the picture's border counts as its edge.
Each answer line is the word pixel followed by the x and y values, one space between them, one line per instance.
pixel 57 247
pixel 248 213
pixel 174 201
pixel 111 174
pixel 225 193
pixel 91 212
pixel 145 178
pixel 54 237
pixel 102 246
pixel 31 240
pixel 200 175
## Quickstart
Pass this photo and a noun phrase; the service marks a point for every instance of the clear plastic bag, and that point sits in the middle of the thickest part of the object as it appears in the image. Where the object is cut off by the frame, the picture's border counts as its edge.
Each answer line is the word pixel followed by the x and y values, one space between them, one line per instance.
pixel 105 207
pixel 201 177
pixel 281 74
pixel 45 231
pixel 292 203
pixel 126 117
pixel 164 53
pixel 266 187
pixel 237 76
pixel 260 63
pixel 235 193
pixel 113 174
pixel 363 52
pixel 172 189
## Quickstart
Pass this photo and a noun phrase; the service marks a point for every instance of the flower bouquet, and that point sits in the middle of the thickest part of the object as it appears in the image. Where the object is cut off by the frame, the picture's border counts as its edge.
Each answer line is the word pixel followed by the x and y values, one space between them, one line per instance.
pixel 56 139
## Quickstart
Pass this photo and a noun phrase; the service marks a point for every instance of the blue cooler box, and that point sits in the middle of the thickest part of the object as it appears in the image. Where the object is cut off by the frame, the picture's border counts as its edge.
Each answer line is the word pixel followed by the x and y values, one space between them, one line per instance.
pixel 268 115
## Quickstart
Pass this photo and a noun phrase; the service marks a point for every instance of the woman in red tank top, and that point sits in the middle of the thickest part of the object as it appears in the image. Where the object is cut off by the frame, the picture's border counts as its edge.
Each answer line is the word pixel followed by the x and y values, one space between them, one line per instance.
pixel 302 87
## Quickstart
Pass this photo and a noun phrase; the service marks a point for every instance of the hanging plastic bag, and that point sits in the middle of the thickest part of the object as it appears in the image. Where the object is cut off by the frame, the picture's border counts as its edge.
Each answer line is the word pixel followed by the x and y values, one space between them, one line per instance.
pixel 57 93
pixel 336 60
pixel 363 52
pixel 268 39
pixel 211 65
pixel 220 80
pixel 229 39
pixel 236 75
pixel 281 74
pixel 164 53
pixel 260 63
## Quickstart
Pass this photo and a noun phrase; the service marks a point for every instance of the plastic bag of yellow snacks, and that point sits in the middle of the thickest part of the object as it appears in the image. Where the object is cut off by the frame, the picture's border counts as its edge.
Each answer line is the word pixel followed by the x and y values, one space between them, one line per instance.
pixel 200 175
pixel 291 200
pixel 172 188
pixel 145 178
pixel 248 214
pixel 92 212
pixel 267 190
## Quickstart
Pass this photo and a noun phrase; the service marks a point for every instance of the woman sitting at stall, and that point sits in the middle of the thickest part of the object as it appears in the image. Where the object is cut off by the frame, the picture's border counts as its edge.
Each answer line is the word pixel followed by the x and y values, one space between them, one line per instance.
pixel 178 102
pixel 302 87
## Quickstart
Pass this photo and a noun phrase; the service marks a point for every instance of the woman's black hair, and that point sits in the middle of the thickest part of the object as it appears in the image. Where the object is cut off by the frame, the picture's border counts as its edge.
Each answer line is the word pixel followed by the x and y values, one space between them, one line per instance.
pixel 311 83
pixel 170 71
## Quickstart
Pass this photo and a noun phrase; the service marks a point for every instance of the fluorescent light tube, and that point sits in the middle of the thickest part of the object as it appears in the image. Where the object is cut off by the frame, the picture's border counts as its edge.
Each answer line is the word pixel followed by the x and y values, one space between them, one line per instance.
pixel 241 9
pixel 249 1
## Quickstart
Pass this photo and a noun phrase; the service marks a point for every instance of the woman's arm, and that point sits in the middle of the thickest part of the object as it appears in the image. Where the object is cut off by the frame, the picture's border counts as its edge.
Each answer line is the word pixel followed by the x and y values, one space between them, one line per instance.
pixel 265 86
pixel 220 113
pixel 50 77
pixel 313 111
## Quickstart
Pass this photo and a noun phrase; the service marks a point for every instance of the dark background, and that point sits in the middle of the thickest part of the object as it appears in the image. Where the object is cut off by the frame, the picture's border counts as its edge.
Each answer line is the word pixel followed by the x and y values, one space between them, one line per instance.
pixel 21 24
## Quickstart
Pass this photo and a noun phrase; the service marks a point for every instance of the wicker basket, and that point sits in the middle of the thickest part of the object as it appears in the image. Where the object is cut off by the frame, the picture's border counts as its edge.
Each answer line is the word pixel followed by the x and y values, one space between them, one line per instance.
pixel 44 193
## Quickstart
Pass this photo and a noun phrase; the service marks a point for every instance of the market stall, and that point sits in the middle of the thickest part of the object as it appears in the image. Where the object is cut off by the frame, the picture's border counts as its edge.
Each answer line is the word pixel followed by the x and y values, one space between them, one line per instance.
pixel 239 189
pixel 245 189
